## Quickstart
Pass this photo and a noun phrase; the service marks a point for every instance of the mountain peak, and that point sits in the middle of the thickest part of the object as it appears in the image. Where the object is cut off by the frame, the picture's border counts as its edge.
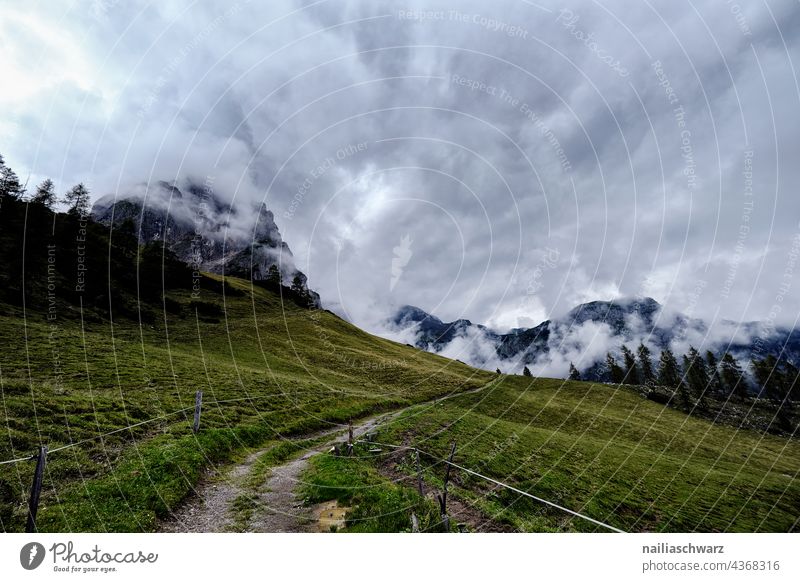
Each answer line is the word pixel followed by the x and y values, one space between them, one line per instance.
pixel 204 231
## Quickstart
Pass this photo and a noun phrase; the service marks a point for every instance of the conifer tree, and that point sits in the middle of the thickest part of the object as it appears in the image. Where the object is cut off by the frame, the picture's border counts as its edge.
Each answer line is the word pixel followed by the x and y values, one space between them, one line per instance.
pixel 9 182
pixel 45 194
pixel 646 364
pixel 697 376
pixel 791 381
pixel 526 372
pixel 77 200
pixel 631 371
pixel 573 372
pixel 712 366
pixel 615 372
pixel 767 377
pixel 274 275
pixel 669 373
pixel 732 376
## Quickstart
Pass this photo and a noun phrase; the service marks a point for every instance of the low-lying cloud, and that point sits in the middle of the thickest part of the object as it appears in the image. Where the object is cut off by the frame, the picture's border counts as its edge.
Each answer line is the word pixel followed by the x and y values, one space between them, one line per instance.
pixel 651 148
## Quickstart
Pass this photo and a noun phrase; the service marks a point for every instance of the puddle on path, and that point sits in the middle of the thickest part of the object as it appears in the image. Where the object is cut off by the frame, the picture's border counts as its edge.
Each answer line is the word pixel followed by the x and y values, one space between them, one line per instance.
pixel 329 516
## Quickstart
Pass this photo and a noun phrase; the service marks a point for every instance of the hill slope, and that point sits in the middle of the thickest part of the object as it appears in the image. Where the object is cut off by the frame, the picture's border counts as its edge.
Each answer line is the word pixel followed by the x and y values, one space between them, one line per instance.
pixel 267 369
pixel 603 451
pixel 106 344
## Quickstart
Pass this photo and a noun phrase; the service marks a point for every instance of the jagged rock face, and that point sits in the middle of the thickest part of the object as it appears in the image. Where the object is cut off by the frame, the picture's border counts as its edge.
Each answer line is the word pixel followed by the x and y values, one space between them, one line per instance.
pixel 204 232
pixel 627 320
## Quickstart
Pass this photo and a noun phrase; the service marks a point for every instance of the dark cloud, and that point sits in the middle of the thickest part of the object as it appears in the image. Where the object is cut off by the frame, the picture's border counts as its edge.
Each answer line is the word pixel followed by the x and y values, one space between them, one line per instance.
pixel 491 136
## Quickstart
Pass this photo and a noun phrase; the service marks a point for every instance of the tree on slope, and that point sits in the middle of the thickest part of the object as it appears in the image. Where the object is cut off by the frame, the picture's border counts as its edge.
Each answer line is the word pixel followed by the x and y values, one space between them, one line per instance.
pixel 712 366
pixel 45 194
pixel 573 372
pixel 615 372
pixel 9 182
pixel 732 376
pixel 646 364
pixel 77 200
pixel 629 362
pixel 696 375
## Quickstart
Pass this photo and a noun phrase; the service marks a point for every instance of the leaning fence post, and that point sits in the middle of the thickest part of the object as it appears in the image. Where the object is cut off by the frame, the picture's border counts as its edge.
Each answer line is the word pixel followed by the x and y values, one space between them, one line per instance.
pixel 443 496
pixel 419 473
pixel 198 402
pixel 36 490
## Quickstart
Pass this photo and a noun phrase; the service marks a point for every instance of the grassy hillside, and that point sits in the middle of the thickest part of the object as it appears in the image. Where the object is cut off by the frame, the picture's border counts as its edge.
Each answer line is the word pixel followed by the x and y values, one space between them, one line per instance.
pixel 105 343
pixel 604 451
pixel 267 369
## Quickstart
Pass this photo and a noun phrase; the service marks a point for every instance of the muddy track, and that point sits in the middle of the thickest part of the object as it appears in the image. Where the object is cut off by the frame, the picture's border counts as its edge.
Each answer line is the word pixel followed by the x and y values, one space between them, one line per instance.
pixel 276 506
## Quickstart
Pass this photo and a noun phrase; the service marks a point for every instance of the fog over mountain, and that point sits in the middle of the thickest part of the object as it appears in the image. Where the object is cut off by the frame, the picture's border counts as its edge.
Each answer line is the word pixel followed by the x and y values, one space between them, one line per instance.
pixel 498 162
pixel 586 334
pixel 204 232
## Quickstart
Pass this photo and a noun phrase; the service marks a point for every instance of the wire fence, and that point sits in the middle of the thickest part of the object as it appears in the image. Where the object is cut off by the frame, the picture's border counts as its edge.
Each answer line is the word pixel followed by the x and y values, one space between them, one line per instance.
pixel 450 463
pixel 498 483
pixel 161 417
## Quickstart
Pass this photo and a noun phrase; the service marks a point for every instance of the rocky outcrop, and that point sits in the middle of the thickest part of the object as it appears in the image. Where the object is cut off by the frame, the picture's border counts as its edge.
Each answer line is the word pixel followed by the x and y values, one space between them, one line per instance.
pixel 205 232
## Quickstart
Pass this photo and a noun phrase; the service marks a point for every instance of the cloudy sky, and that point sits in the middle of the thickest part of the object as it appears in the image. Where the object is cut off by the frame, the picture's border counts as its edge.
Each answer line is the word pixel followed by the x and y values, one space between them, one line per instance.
pixel 497 161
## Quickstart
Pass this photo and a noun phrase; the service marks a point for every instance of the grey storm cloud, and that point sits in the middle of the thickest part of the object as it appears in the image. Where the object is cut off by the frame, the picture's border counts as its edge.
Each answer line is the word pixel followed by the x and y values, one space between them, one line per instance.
pixel 647 149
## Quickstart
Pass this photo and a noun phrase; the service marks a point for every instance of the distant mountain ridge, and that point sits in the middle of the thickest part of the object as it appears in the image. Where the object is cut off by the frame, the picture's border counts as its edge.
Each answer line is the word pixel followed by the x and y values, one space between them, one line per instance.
pixel 205 232
pixel 563 340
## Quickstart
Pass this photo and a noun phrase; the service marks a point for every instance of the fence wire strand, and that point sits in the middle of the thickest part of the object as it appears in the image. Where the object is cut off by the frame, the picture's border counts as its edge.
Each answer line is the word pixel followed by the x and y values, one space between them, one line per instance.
pixel 499 483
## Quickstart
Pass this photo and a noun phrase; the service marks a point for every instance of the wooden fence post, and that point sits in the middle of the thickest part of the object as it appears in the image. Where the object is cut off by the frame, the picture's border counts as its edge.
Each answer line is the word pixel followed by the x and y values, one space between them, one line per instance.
pixel 198 403
pixel 419 473
pixel 414 523
pixel 36 490
pixel 443 496
pixel 349 438
pixel 443 511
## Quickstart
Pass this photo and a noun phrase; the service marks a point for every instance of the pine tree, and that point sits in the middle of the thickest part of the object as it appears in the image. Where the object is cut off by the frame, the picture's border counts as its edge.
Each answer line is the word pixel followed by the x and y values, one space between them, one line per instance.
pixel 573 372
pixel 768 377
pixel 668 371
pixel 714 380
pixel 791 381
pixel 697 375
pixel 77 200
pixel 526 372
pixel 775 379
pixel 9 182
pixel 615 372
pixel 631 371
pixel 298 284
pixel 45 194
pixel 274 275
pixel 732 376
pixel 646 364
pixel 498 371
pixel 299 289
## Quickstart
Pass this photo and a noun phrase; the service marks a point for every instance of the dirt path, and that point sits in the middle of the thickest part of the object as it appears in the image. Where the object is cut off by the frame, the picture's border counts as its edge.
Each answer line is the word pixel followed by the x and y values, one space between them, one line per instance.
pixel 274 506
pixel 208 508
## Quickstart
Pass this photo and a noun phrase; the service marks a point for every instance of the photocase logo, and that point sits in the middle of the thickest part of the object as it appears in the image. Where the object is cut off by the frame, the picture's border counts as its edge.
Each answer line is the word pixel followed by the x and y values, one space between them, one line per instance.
pixel 402 254
pixel 31 555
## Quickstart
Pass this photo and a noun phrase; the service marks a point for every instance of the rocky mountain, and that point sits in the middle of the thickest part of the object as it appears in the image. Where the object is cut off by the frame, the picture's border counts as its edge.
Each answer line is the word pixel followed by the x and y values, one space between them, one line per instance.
pixel 205 232
pixel 587 333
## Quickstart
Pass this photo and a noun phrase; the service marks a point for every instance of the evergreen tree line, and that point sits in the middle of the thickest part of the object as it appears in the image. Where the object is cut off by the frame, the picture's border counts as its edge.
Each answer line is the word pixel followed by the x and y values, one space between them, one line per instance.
pixel 69 257
pixel 701 376
pixel 76 198
pixel 297 292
